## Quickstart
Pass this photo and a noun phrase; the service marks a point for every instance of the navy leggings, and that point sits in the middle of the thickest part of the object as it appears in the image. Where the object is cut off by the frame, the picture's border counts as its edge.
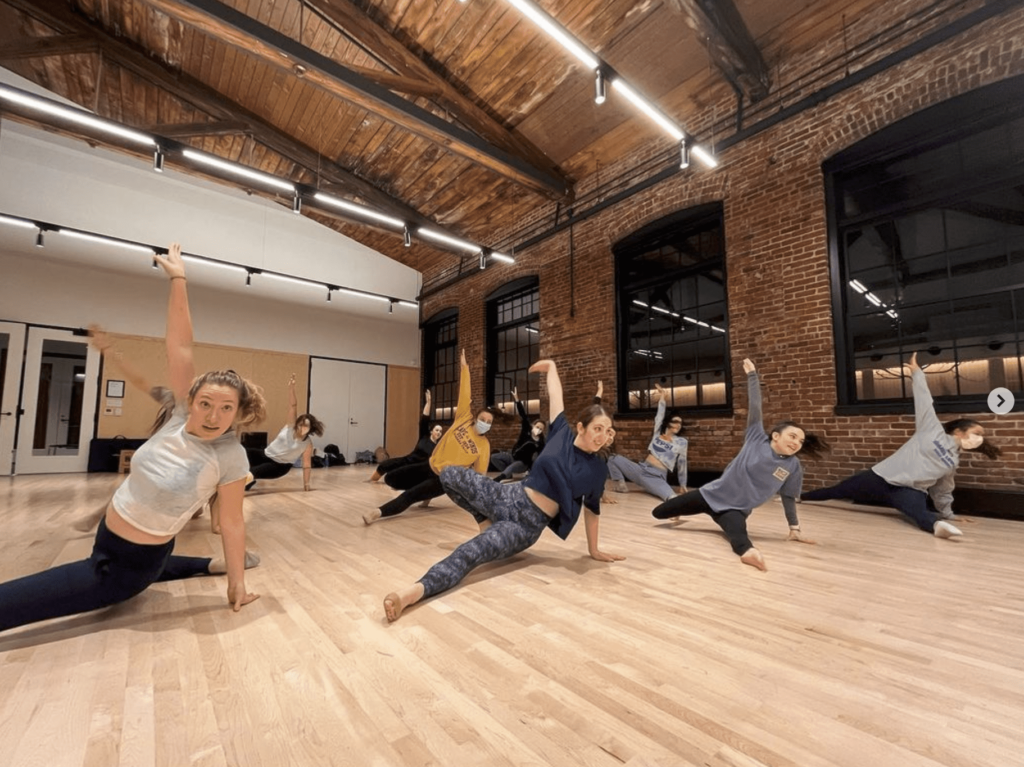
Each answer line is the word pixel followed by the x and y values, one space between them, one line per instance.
pixel 516 524
pixel 116 571
pixel 868 487
pixel 732 521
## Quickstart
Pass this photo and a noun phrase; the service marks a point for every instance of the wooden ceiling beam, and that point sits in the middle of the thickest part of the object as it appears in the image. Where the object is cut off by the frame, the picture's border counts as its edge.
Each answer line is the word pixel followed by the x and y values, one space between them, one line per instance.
pixel 382 44
pixel 410 86
pixel 248 35
pixel 57 15
pixel 197 129
pixel 55 45
pixel 732 48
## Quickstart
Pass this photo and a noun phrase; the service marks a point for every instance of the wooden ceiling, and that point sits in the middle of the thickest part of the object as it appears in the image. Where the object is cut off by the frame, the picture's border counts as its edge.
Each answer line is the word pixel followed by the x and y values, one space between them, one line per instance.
pixel 463 115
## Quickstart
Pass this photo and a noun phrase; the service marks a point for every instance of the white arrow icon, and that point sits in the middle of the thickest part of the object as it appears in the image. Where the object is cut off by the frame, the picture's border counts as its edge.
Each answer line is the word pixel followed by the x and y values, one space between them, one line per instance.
pixel 1000 401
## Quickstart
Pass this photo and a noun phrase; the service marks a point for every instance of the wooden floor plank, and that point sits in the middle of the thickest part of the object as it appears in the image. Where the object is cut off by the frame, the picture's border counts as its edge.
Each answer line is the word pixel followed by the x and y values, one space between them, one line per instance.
pixel 879 646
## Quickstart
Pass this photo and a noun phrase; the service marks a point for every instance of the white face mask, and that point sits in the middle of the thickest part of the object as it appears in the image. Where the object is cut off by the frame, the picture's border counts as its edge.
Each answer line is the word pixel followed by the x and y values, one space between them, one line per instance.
pixel 971 441
pixel 482 427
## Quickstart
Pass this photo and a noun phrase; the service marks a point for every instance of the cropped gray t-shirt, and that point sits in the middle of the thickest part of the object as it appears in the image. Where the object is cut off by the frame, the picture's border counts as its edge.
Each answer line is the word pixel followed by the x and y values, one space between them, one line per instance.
pixel 174 473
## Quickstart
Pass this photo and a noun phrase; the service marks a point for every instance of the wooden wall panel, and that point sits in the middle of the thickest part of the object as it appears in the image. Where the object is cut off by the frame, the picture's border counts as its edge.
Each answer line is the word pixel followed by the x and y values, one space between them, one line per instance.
pixel 404 405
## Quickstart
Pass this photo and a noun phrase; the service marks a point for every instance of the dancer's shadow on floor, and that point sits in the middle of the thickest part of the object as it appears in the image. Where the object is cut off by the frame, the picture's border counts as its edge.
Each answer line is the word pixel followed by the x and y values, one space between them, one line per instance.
pixel 151 612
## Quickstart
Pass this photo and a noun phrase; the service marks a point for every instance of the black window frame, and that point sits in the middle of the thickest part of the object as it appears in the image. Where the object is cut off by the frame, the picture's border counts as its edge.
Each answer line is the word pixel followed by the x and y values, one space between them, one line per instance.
pixel 501 301
pixel 948 129
pixel 441 365
pixel 670 232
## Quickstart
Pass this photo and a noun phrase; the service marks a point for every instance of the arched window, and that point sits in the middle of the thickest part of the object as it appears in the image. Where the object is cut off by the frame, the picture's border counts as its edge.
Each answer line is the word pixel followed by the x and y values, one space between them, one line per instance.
pixel 513 344
pixel 927 253
pixel 673 321
pixel 441 362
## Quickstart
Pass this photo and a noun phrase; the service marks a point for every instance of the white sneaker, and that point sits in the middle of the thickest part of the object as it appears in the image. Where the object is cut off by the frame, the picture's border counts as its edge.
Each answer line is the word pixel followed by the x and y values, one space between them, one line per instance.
pixel 944 529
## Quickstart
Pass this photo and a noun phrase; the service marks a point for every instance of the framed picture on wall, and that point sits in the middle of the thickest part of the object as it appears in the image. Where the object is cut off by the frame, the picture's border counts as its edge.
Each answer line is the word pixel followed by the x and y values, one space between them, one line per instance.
pixel 115 389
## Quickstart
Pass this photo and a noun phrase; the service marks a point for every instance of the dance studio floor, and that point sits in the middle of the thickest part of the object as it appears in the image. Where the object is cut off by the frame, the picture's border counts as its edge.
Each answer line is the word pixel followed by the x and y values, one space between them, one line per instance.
pixel 879 647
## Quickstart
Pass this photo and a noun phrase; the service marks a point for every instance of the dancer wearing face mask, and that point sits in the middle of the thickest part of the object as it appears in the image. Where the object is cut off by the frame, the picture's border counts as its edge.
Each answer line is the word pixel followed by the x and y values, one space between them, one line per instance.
pixel 464 444
pixel 766 465
pixel 527 447
pixel 922 469
pixel 429 437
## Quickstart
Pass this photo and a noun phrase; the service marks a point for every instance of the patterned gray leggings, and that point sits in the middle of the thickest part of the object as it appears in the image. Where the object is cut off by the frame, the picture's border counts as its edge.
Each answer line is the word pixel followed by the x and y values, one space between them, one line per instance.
pixel 516 524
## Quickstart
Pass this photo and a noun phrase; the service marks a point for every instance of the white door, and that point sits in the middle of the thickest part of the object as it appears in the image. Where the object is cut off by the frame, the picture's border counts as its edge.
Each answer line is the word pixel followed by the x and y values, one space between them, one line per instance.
pixel 12 351
pixel 349 398
pixel 58 404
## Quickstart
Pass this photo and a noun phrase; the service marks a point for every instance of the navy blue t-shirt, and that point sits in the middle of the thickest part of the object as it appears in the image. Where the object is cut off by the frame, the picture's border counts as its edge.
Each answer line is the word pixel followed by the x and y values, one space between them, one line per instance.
pixel 567 475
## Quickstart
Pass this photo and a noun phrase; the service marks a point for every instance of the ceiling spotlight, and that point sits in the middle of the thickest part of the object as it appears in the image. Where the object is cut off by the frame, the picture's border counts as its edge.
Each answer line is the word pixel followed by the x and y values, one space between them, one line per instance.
pixel 39 239
pixel 248 279
pixel 483 259
pixel 600 93
pixel 684 158
pixel 328 295
pixel 158 160
pixel 408 237
pixel 391 307
pixel 296 204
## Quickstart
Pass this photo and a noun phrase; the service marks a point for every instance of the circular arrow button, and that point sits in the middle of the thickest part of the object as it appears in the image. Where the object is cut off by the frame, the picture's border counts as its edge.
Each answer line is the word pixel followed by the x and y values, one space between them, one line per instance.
pixel 1000 401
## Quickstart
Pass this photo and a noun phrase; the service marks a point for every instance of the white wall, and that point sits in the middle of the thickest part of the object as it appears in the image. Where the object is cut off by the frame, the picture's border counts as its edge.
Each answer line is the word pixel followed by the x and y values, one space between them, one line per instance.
pixel 68 283
pixel 38 291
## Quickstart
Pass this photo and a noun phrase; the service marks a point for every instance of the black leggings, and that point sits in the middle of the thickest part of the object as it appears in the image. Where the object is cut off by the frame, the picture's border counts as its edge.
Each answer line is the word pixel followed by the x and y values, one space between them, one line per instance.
pixel 868 487
pixel 732 521
pixel 116 571
pixel 262 467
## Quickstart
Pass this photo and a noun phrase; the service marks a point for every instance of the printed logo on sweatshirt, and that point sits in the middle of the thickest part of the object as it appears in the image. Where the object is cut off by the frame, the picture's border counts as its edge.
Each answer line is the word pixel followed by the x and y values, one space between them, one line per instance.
pixel 944 455
pixel 780 474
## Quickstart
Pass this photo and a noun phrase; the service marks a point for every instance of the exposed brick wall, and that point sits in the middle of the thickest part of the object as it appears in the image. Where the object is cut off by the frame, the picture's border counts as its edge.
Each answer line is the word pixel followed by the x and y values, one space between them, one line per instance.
pixel 772 189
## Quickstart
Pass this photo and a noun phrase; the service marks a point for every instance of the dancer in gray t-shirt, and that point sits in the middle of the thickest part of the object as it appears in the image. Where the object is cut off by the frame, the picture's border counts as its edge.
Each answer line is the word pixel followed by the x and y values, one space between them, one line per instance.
pixel 767 464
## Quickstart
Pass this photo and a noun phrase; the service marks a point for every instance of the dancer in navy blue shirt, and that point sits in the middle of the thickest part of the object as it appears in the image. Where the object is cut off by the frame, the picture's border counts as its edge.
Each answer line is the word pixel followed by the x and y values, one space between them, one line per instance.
pixel 567 476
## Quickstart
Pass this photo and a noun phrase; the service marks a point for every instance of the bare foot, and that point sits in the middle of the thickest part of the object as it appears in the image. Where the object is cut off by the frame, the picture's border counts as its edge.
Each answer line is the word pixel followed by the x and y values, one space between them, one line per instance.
pixel 393 607
pixel 371 516
pixel 425 504
pixel 753 558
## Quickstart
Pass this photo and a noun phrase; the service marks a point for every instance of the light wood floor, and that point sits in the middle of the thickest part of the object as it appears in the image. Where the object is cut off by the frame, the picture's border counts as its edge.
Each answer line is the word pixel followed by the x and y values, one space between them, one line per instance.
pixel 879 647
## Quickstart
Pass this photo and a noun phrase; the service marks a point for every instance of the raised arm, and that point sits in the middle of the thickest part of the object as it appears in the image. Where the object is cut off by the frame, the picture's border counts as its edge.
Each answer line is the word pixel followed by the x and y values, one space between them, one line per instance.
pixel 180 363
pixel 465 393
pixel 293 404
pixel 753 395
pixel 555 402
pixel 660 415
pixel 600 393
pixel 426 403
pixel 424 429
pixel 925 418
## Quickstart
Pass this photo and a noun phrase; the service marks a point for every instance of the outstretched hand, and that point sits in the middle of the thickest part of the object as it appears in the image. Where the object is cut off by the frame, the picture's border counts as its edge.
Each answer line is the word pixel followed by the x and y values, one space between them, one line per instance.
pixel 748 366
pixel 291 381
pixel 515 393
pixel 602 556
pixel 600 389
pixel 171 261
pixel 238 596
pixel 795 535
pixel 542 366
pixel 98 338
pixel 912 363
pixel 462 359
